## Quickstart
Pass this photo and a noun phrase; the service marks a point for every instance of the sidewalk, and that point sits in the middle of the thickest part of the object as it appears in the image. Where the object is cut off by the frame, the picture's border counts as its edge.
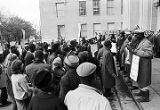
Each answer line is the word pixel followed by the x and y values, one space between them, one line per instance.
pixel 154 103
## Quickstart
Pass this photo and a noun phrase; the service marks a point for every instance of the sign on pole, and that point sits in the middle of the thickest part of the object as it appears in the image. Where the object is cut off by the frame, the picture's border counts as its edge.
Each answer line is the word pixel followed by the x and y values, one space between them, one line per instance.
pixel 23 39
pixel 134 67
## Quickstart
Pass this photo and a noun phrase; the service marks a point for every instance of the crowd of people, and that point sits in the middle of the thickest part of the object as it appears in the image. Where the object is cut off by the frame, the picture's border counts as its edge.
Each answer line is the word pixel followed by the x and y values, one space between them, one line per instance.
pixel 68 76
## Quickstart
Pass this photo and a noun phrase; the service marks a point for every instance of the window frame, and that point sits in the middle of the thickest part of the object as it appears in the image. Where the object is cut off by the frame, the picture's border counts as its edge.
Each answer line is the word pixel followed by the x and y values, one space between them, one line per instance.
pixel 82 8
pixel 110 13
pixel 59 32
pixel 96 8
pixel 82 30
pixel 99 31
pixel 113 23
pixel 61 10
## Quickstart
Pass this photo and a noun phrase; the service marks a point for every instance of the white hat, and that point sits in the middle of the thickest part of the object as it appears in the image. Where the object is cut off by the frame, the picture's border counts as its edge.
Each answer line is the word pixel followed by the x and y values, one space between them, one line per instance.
pixel 138 31
pixel 71 60
pixel 57 62
pixel 86 69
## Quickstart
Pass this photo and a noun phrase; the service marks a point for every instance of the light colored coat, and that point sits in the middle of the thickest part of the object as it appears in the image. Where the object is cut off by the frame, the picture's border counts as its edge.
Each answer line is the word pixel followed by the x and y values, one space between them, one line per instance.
pixel 145 51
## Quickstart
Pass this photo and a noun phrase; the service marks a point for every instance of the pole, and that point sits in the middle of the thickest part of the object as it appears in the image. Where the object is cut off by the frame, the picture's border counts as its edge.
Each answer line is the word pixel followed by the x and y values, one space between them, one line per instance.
pixel 1 40
pixel 23 38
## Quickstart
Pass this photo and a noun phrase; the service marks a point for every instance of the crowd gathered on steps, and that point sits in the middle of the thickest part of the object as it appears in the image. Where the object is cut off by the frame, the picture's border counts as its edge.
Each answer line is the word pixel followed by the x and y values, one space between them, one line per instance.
pixel 69 77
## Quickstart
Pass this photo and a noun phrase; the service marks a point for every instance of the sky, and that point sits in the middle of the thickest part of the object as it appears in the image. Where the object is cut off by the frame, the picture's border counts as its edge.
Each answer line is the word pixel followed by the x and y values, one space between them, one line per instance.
pixel 27 9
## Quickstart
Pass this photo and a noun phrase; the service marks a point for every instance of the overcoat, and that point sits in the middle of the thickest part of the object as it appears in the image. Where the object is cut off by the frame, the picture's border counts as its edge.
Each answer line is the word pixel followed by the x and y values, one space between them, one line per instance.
pixel 107 68
pixel 145 51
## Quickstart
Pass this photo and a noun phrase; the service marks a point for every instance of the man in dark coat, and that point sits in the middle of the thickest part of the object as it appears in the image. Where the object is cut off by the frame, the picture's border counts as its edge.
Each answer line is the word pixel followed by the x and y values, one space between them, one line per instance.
pixel 36 66
pixel 144 49
pixel 107 68
pixel 71 79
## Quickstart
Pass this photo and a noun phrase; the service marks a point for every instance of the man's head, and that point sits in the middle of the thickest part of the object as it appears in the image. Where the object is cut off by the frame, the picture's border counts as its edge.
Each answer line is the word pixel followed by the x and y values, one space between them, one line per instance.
pixel 139 34
pixel 86 72
pixel 43 80
pixel 71 61
pixel 39 56
pixel 107 43
pixel 32 47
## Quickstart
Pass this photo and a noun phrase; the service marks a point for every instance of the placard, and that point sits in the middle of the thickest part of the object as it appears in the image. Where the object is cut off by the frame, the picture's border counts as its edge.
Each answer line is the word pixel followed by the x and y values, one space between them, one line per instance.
pixel 134 67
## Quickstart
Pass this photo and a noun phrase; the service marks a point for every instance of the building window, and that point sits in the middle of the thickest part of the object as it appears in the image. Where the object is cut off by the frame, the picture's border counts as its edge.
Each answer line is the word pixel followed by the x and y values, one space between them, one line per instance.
pixel 61 32
pixel 96 7
pixel 111 26
pixel 96 28
pixel 60 9
pixel 82 8
pixel 84 30
pixel 110 7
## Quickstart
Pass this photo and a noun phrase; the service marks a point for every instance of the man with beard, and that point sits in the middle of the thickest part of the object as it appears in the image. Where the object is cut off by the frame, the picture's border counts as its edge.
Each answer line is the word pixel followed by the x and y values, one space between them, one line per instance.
pixel 143 48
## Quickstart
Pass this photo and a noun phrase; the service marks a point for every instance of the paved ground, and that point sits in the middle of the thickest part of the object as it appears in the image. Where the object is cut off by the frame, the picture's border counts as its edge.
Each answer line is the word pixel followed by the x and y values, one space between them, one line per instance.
pixel 154 104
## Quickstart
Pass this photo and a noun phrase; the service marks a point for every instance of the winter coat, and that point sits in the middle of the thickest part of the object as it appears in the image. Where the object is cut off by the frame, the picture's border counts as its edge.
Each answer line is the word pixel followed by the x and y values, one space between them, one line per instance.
pixel 69 81
pixel 107 68
pixel 145 51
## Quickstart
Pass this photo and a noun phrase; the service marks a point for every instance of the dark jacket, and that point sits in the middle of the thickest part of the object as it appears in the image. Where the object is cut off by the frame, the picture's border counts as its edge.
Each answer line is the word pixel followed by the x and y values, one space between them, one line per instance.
pixel 32 69
pixel 44 101
pixel 107 68
pixel 69 81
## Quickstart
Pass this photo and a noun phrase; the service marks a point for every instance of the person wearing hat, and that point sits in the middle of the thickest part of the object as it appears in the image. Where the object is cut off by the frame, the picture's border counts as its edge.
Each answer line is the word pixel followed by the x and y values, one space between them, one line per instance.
pixel 21 90
pixel 107 66
pixel 46 99
pixel 143 48
pixel 57 70
pixel 70 80
pixel 120 42
pixel 37 65
pixel 86 96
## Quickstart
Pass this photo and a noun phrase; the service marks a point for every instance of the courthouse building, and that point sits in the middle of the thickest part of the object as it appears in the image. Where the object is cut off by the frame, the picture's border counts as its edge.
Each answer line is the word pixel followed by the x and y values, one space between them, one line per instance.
pixel 64 18
pixel 145 13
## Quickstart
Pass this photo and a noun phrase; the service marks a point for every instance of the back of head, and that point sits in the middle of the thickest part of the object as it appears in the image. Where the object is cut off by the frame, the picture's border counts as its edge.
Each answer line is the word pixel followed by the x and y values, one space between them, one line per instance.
pixel 39 55
pixel 55 47
pixel 32 47
pixel 43 80
pixel 71 61
pixel 16 66
pixel 86 69
pixel 83 56
pixel 107 42
pixel 57 62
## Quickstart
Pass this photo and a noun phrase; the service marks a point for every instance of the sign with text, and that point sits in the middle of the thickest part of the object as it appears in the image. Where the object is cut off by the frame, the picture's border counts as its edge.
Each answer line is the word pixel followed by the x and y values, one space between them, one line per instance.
pixel 134 67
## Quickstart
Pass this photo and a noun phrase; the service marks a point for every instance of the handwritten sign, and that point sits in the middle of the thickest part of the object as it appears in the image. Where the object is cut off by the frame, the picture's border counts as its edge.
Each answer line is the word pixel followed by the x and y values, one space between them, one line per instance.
pixel 134 67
